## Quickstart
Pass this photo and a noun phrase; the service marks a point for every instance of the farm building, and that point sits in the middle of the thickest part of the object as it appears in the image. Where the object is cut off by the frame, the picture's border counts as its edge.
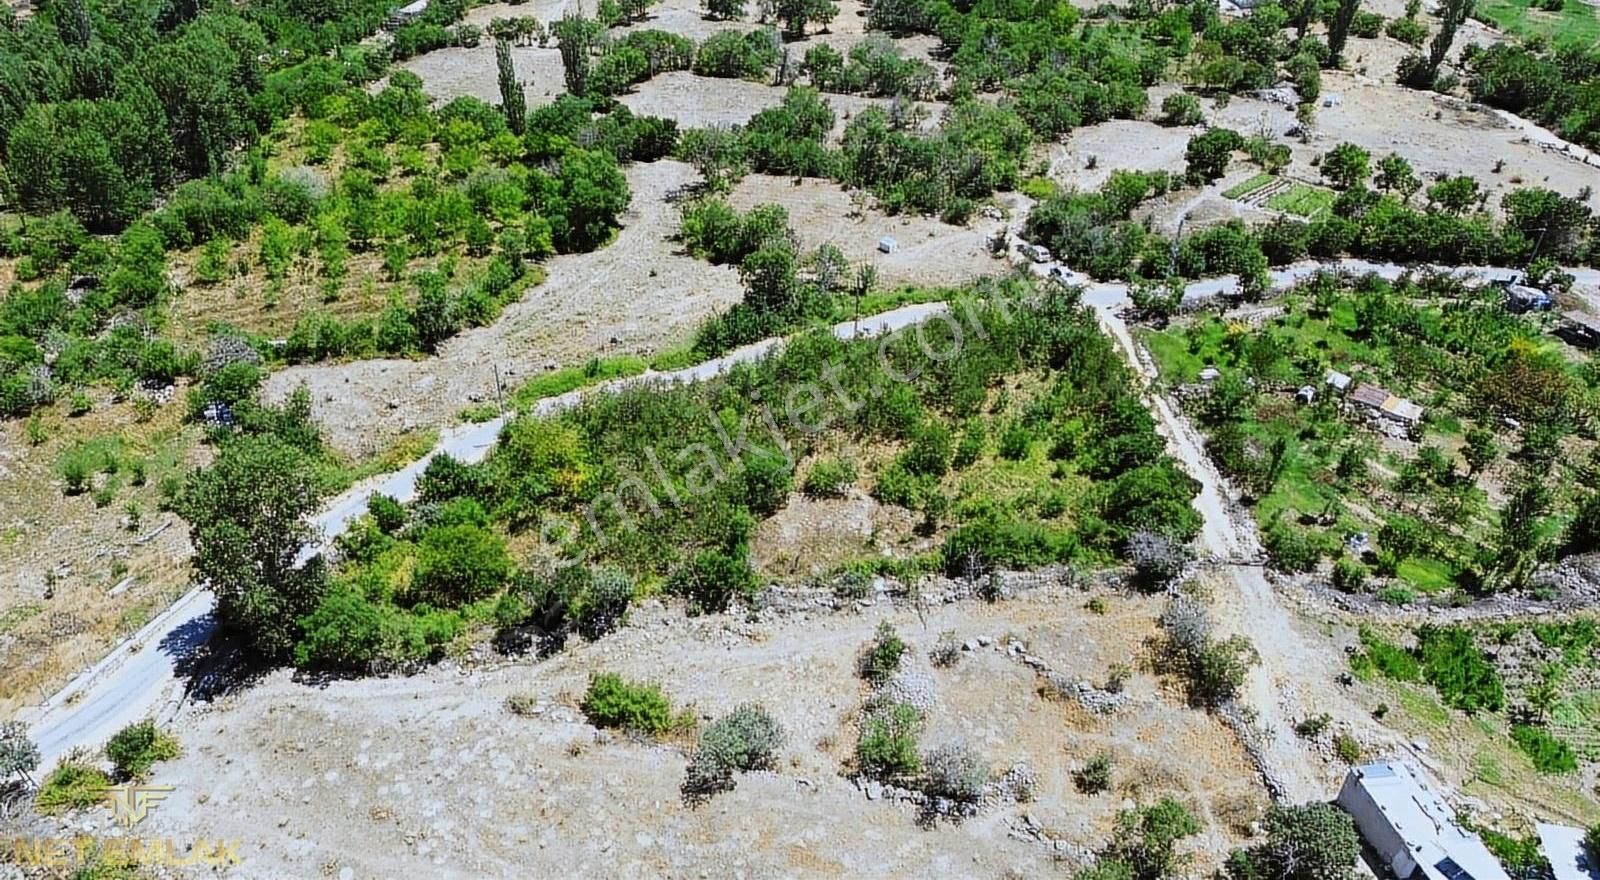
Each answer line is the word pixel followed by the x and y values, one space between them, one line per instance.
pixel 1337 381
pixel 1411 829
pixel 888 245
pixel 1385 405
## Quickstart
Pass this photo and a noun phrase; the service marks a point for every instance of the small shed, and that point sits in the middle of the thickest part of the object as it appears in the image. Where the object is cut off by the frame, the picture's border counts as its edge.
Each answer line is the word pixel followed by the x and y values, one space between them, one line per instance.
pixel 1306 395
pixel 1410 828
pixel 1337 381
pixel 1210 374
pixel 1331 99
pixel 887 245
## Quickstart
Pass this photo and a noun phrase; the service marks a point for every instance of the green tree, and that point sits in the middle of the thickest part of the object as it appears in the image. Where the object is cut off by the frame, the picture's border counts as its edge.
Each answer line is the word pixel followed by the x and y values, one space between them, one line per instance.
pixel 1395 175
pixel 513 100
pixel 457 564
pixel 1339 30
pixel 1315 841
pixel 140 278
pixel 725 10
pixel 1451 14
pixel 249 516
pixel 796 14
pixel 1346 165
pixel 1208 154
pixel 1480 450
pixel 1146 839
pixel 1519 543
pixel 577 38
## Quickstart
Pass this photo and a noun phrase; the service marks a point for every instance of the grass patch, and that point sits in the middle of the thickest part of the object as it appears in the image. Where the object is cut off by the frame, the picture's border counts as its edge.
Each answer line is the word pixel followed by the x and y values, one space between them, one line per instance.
pixel 1577 22
pixel 71 786
pixel 1302 200
pixel 1247 187
pixel 567 379
pixel 1427 575
pixel 844 308
pixel 1549 753
pixel 337 477
pixel 16 615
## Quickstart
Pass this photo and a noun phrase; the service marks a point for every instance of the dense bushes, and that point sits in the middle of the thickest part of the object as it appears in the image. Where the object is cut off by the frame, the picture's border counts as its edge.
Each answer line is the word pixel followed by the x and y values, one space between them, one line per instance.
pixel 734 55
pixel 134 749
pixel 1452 662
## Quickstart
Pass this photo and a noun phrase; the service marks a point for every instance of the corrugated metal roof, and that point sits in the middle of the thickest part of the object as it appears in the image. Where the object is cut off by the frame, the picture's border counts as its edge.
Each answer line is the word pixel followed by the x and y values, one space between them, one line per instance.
pixel 1370 395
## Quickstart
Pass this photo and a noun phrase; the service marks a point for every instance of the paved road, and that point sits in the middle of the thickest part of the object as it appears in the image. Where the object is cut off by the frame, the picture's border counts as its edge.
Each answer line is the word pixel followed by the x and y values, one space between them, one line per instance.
pixel 139 677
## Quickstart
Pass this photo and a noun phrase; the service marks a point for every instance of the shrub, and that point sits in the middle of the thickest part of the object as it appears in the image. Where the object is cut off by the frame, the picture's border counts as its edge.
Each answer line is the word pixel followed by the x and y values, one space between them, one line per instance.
pixel 1312 727
pixel 767 481
pixel 1349 576
pixel 457 564
pixel 1395 594
pixel 887 747
pixel 1367 25
pixel 612 701
pixel 881 659
pixel 1014 441
pixel 136 748
pixel 601 606
pixel 1549 753
pixel 1146 838
pixel 19 756
pixel 1393 663
pixel 829 478
pixel 1181 109
pixel 388 513
pixel 346 631
pixel 748 738
pixel 73 785
pixel 947 651
pixel 1157 559
pixel 711 580
pixel 955 772
pixel 1095 777
pixel 1290 547
pixel 1346 748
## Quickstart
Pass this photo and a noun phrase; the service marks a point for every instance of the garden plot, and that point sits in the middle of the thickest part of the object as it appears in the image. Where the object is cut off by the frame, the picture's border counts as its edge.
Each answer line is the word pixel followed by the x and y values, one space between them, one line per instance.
pixel 1282 194
pixel 635 295
pixel 706 102
pixel 1439 136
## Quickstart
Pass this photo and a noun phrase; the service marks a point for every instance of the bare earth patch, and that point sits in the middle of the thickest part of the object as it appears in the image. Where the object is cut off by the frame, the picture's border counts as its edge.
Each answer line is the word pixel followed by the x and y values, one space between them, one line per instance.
pixel 432 773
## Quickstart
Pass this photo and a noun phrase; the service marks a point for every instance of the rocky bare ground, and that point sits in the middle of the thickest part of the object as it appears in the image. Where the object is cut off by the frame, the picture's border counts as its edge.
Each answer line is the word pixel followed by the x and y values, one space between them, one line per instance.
pixel 432 773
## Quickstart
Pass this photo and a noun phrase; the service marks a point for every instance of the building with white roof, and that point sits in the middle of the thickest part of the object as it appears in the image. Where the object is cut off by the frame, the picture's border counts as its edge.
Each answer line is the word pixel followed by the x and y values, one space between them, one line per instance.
pixel 1409 826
